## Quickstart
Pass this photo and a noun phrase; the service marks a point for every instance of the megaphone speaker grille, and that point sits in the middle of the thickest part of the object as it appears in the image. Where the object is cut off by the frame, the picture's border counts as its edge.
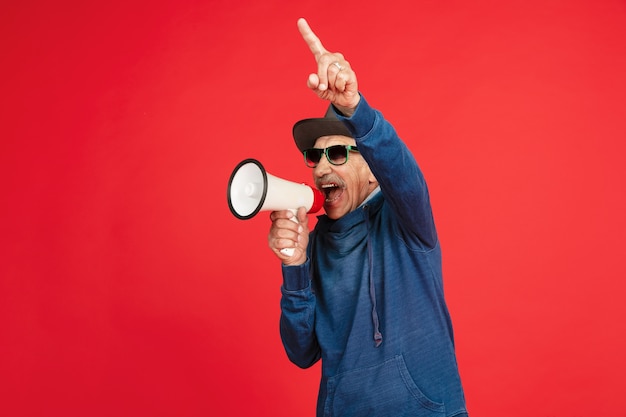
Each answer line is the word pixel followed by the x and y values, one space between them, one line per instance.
pixel 247 189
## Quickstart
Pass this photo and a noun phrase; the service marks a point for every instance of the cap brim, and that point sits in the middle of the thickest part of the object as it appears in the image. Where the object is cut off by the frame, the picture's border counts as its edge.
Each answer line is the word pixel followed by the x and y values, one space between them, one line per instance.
pixel 307 131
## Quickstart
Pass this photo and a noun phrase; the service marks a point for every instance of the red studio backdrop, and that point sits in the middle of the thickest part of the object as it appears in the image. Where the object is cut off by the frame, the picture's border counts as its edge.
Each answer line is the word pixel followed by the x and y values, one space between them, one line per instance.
pixel 127 288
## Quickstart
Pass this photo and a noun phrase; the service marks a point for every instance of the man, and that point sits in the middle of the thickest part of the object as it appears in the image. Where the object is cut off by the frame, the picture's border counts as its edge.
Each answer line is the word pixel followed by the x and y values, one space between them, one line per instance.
pixel 363 292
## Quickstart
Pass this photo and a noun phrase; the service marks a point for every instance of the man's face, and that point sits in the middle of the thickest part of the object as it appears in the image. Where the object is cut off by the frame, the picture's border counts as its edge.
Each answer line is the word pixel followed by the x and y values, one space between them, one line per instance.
pixel 345 186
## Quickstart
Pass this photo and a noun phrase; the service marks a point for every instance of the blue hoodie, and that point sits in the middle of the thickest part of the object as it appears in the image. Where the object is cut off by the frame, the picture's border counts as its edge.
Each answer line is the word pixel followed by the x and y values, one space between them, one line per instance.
pixel 369 300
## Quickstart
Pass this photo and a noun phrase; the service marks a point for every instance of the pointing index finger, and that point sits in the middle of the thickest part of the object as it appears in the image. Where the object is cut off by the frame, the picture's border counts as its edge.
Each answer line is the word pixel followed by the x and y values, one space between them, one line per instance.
pixel 315 45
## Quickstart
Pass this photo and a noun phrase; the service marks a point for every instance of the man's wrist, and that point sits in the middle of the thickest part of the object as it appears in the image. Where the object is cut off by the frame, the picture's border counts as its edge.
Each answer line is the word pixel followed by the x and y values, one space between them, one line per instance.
pixel 348 111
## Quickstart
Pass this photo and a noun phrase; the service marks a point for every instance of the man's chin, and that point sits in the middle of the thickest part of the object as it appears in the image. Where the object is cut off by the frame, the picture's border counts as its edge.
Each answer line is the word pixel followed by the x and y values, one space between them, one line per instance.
pixel 333 212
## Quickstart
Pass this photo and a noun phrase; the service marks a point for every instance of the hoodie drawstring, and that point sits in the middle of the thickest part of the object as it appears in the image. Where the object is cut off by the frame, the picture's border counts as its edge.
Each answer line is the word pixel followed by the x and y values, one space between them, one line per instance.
pixel 378 337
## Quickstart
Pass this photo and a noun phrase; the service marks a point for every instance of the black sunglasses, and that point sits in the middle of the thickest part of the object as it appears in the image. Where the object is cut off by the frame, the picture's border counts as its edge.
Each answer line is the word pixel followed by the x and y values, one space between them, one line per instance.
pixel 336 155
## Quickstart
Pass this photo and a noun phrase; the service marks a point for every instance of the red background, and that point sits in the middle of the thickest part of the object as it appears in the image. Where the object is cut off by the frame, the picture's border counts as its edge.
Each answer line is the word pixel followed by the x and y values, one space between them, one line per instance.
pixel 126 286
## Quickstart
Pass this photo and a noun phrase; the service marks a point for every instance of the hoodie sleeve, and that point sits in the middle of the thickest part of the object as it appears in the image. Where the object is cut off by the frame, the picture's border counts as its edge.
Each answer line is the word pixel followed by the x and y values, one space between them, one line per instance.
pixel 396 170
pixel 297 319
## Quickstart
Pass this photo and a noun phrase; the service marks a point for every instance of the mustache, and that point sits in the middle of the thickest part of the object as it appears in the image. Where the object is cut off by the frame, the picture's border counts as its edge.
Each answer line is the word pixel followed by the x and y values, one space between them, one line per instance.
pixel 330 179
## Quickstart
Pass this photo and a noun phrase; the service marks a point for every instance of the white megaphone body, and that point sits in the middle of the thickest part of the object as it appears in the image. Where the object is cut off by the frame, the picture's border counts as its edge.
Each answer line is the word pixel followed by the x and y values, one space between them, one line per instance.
pixel 251 190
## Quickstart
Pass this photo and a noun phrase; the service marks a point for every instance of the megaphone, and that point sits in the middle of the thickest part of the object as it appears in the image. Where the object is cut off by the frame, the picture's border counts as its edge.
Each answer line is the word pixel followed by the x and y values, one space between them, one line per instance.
pixel 251 190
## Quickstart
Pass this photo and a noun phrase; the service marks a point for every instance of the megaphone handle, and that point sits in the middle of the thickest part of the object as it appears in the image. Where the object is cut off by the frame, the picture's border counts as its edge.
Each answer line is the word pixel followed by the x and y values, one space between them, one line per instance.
pixel 290 251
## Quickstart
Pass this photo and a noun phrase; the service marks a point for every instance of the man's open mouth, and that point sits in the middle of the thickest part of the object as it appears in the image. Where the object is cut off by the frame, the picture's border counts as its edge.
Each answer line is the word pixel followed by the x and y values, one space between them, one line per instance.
pixel 332 191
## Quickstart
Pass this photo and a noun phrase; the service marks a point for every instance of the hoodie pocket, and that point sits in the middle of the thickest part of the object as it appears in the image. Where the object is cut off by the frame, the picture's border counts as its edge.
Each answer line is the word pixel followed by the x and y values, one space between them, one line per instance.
pixel 385 390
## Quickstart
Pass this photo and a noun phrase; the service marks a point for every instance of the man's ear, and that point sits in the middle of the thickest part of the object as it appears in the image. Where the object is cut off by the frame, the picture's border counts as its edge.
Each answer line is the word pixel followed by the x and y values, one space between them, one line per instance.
pixel 373 181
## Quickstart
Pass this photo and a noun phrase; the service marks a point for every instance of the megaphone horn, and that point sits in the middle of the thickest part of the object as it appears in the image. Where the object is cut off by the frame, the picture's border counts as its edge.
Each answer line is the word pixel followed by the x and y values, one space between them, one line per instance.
pixel 251 189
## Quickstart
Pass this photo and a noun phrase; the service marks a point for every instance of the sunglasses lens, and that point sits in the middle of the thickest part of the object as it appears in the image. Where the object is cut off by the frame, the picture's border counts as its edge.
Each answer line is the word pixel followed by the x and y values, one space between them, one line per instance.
pixel 312 156
pixel 337 154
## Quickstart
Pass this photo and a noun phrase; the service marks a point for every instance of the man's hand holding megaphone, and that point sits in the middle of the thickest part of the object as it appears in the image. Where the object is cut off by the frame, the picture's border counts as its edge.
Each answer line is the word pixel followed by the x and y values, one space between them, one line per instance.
pixel 285 233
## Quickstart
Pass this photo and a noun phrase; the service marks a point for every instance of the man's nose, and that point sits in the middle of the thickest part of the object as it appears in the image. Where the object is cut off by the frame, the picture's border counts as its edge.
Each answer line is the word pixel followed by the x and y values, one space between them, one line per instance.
pixel 323 167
